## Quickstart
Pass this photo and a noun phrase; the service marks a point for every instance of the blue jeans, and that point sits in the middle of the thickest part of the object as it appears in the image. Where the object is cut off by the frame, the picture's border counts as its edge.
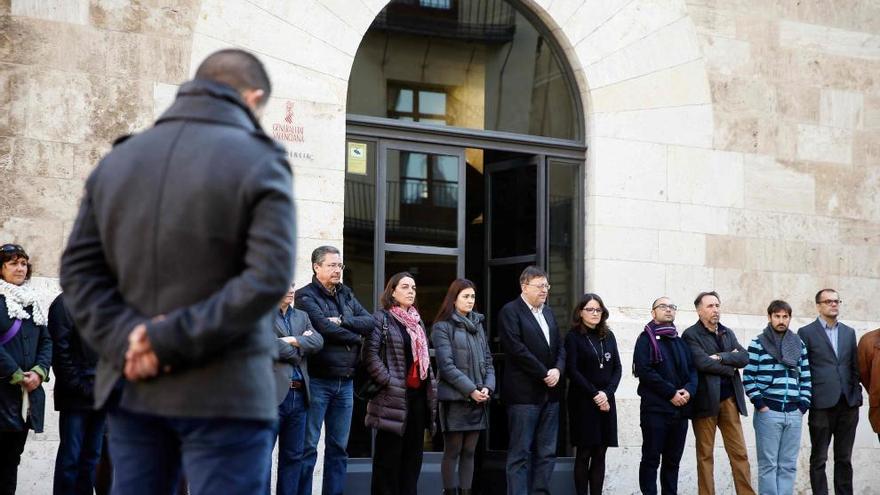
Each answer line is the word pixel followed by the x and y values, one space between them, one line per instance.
pixel 81 434
pixel 777 440
pixel 331 401
pixel 218 455
pixel 531 453
pixel 663 437
pixel 291 443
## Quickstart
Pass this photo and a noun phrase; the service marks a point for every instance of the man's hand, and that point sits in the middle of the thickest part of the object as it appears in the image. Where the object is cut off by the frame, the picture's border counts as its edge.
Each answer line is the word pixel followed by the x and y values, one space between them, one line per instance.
pixel 685 394
pixel 336 320
pixel 764 409
pixel 31 381
pixel 716 357
pixel 678 399
pixel 141 361
pixel 291 340
pixel 552 377
pixel 601 399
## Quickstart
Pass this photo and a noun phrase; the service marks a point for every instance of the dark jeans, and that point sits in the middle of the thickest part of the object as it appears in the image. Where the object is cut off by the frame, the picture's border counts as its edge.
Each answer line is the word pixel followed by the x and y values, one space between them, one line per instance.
pixel 331 401
pixel 291 443
pixel 839 422
pixel 397 461
pixel 218 455
pixel 531 453
pixel 663 437
pixel 81 435
pixel 11 447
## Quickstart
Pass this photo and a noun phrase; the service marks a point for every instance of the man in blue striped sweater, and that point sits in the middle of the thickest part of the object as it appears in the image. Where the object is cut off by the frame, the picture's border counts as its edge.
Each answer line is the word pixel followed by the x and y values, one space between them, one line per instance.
pixel 777 381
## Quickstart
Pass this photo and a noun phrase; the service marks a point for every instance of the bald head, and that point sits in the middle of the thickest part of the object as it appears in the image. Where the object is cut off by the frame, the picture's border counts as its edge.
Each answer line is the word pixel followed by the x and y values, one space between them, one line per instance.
pixel 237 68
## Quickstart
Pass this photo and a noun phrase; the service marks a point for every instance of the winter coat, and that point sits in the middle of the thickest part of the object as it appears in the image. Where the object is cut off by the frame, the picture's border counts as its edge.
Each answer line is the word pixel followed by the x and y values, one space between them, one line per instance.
pixel 31 347
pixel 464 361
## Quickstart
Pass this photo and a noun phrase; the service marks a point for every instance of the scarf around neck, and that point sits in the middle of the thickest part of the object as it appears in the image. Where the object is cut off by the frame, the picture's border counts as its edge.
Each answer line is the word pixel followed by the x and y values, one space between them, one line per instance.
pixel 19 297
pixel 412 322
pixel 654 330
pixel 470 321
pixel 786 350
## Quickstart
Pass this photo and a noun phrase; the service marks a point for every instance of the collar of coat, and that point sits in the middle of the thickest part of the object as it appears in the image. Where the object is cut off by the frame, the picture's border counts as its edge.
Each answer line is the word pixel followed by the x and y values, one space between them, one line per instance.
pixel 721 328
pixel 211 101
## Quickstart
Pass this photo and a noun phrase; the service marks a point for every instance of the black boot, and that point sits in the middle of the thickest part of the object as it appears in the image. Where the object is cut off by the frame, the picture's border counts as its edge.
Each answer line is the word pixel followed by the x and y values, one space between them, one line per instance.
pixel 451 491
pixel 466 491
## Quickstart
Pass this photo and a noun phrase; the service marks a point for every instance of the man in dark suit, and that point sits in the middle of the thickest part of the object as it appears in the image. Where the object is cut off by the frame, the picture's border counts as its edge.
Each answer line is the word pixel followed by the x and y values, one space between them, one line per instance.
pixel 81 427
pixel 719 400
pixel 183 245
pixel 535 358
pixel 296 339
pixel 837 395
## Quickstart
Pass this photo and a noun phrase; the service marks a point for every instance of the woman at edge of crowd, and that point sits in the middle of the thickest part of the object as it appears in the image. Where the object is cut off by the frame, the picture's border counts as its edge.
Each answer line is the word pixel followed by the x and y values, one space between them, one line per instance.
pixel 467 379
pixel 594 372
pixel 25 357
pixel 407 403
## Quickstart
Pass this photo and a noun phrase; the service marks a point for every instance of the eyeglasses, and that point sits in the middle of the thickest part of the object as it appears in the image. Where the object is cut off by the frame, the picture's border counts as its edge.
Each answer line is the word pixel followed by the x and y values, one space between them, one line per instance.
pixel 832 302
pixel 334 266
pixel 595 311
pixel 670 307
pixel 540 286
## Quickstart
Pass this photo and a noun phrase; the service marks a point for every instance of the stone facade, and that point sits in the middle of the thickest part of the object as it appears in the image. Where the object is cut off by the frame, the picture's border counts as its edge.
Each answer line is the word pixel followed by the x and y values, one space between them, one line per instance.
pixel 733 144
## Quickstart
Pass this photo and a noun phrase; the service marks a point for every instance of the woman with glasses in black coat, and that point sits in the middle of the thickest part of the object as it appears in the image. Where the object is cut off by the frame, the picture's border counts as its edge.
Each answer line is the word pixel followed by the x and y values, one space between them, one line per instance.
pixel 594 371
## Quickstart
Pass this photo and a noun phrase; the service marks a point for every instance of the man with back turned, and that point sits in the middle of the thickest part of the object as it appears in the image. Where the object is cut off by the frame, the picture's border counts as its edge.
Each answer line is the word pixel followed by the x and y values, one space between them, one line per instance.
pixel 183 245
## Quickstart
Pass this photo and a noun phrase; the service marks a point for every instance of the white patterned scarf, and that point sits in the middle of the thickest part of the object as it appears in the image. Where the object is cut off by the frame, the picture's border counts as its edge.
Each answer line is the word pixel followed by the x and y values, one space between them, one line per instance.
pixel 19 297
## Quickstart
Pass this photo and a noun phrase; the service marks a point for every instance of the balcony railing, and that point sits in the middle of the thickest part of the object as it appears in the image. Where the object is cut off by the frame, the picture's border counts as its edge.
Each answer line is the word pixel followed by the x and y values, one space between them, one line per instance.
pixel 490 21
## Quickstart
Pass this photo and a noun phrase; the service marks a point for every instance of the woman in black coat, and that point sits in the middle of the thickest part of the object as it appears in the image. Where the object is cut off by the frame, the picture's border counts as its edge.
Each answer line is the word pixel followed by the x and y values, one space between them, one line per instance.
pixel 25 356
pixel 467 379
pixel 404 408
pixel 594 371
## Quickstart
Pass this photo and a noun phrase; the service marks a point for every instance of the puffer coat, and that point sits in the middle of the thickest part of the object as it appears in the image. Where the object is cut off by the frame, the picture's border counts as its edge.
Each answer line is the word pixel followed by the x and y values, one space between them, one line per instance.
pixel 387 410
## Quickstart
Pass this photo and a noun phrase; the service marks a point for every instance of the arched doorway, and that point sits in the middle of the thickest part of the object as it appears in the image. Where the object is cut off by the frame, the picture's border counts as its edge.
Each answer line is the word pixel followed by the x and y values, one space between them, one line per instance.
pixel 464 158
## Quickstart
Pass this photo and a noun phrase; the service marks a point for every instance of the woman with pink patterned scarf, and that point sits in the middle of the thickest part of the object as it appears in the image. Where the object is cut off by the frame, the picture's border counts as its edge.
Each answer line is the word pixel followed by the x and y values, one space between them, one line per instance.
pixel 397 358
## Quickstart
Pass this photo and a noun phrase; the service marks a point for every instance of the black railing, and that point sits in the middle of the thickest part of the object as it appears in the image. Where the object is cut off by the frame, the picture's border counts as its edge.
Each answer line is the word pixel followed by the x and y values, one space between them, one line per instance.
pixel 491 21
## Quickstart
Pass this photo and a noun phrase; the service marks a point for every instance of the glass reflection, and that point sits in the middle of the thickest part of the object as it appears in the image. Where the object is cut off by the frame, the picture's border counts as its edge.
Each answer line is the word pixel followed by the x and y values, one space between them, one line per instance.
pixel 478 64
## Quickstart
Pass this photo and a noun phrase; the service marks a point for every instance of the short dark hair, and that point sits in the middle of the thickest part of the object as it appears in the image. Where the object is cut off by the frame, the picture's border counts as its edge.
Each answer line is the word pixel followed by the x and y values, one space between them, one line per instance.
pixel 577 322
pixel 237 68
pixel 387 299
pixel 530 273
pixel 12 252
pixel 701 295
pixel 777 306
pixel 819 294
pixel 320 253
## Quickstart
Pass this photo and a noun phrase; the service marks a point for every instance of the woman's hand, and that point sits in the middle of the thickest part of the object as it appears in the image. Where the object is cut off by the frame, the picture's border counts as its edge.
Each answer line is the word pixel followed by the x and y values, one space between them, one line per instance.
pixel 478 396
pixel 600 399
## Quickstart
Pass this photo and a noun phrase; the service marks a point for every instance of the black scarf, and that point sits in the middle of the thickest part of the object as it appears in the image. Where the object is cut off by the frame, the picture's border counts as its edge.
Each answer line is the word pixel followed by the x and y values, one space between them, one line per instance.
pixel 786 350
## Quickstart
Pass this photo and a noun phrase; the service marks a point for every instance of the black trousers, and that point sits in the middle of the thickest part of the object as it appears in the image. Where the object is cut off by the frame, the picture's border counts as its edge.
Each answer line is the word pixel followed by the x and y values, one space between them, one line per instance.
pixel 397 461
pixel 663 437
pixel 11 447
pixel 840 423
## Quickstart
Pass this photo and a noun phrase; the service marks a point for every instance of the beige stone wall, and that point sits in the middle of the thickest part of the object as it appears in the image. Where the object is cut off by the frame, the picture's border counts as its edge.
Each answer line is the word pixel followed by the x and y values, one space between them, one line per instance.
pixel 734 145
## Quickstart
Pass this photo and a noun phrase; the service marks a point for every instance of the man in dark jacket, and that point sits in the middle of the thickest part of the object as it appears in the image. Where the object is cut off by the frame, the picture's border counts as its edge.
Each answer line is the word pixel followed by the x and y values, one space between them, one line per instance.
pixel 183 245
pixel 837 395
pixel 720 399
pixel 667 383
pixel 530 390
pixel 296 340
pixel 81 427
pixel 343 322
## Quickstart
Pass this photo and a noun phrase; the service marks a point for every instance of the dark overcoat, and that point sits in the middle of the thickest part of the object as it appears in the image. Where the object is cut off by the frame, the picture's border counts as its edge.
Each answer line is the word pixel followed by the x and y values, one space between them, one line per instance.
pixel 31 347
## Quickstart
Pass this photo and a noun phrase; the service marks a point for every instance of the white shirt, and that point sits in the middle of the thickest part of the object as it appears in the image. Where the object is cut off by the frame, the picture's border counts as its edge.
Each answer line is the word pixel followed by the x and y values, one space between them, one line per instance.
pixel 831 332
pixel 538 313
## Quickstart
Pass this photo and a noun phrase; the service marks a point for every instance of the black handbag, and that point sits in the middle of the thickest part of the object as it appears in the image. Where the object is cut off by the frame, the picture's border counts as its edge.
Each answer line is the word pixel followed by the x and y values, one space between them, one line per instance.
pixel 365 387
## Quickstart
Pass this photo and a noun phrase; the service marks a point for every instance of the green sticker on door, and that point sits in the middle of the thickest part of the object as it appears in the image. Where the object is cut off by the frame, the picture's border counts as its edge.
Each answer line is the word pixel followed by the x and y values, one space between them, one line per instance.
pixel 357 158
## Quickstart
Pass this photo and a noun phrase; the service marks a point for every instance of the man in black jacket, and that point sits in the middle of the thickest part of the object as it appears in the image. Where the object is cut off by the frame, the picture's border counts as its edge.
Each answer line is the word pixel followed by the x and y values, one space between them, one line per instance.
pixel 343 322
pixel 183 245
pixel 81 426
pixel 535 361
pixel 719 399
pixel 837 395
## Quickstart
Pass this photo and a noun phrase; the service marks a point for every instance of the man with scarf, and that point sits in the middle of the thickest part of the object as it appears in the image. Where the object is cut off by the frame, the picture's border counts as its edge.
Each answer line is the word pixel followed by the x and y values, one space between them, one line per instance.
pixel 667 382
pixel 777 381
